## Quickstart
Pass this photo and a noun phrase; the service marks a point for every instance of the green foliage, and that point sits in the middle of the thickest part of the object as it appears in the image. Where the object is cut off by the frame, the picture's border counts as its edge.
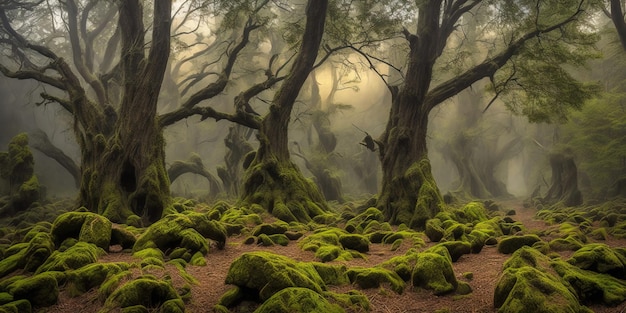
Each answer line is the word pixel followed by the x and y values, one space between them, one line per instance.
pixel 597 134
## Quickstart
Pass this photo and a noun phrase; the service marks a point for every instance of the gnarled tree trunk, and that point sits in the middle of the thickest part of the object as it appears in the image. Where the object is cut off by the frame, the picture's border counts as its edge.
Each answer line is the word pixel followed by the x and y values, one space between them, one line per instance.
pixel 564 184
pixel 273 180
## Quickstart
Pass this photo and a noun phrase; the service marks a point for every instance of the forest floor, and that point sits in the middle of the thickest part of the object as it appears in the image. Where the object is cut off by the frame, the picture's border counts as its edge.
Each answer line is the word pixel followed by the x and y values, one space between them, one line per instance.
pixel 486 267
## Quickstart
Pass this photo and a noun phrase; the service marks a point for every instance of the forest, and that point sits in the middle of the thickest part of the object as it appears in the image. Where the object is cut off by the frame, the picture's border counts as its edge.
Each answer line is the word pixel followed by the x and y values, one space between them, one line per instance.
pixel 313 156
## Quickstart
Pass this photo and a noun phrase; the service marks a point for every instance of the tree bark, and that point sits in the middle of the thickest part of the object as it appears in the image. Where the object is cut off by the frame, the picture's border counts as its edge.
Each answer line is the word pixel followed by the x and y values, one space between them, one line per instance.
pixel 123 172
pixel 564 183
pixel 272 180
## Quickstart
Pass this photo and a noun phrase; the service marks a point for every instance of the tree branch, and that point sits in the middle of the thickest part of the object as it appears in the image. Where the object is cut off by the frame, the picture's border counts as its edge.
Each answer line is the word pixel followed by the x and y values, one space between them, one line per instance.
pixel 489 67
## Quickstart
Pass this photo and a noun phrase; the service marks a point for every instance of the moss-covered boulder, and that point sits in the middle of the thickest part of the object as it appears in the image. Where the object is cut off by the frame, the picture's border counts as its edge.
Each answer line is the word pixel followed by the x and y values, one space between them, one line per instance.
pixel 296 299
pixel 360 222
pixel 455 248
pixel 189 231
pixel 600 258
pixel 354 242
pixel 75 257
pixel 434 230
pixel 84 226
pixel 528 289
pixel 376 277
pixel 89 276
pixel 325 243
pixel 145 291
pixel 592 287
pixel 433 271
pixel 123 237
pixel 266 273
pixel 270 228
pixel 510 244
pixel 40 290
pixel 19 306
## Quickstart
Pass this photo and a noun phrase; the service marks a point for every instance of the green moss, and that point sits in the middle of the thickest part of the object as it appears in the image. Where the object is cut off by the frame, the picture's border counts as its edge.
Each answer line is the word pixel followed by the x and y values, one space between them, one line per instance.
pixel 84 226
pixel 375 277
pixel 354 242
pixel 149 252
pixel 527 256
pixel 198 259
pixel 600 258
pixel 570 243
pixel 19 306
pixel 187 230
pixel 433 230
pixel 111 283
pixel 147 292
pixel 455 248
pixel 279 239
pixel 294 299
pixel 270 229
pixel 40 290
pixel 434 272
pixel 512 243
pixel 92 275
pixel 75 257
pixel 332 274
pixel 123 237
pixel 151 262
pixel 5 297
pixel 463 288
pixel 396 244
pixel 231 297
pixel 267 273
pixel 328 253
pixel 524 288
pixel 265 240
pixel 172 306
pixel 354 300
pixel 592 287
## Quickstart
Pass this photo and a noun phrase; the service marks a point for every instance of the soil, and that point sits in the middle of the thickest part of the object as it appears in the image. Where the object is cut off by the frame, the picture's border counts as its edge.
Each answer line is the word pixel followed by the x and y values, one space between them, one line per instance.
pixel 485 266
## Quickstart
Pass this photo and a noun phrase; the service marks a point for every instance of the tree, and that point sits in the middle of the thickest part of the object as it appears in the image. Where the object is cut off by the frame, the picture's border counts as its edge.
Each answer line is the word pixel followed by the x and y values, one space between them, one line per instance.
pixel 538 35
pixel 113 92
pixel 272 180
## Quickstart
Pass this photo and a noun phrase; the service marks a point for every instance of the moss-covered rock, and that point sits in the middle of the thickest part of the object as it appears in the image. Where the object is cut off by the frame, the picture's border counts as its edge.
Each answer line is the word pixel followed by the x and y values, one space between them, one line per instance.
pixel 270 228
pixel 147 292
pixel 433 271
pixel 92 275
pixel 433 230
pixel 527 289
pixel 295 299
pixel 375 277
pixel 123 237
pixel 600 258
pixel 19 306
pixel 353 300
pixel 231 297
pixel 455 248
pixel 592 287
pixel 188 231
pixel 267 273
pixel 40 290
pixel 354 242
pixel 510 244
pixel 84 226
pixel 77 256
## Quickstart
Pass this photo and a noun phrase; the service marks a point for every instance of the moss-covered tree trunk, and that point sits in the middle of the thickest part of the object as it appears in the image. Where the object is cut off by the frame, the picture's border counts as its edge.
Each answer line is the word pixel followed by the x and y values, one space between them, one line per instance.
pixel 272 180
pixel 123 162
pixel 409 193
pixel 564 183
